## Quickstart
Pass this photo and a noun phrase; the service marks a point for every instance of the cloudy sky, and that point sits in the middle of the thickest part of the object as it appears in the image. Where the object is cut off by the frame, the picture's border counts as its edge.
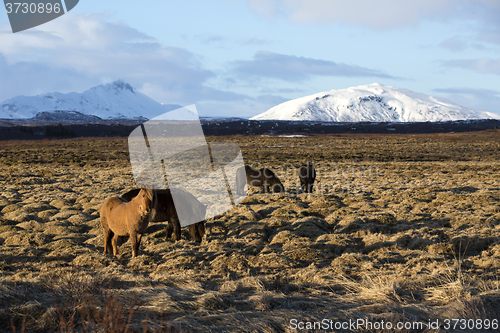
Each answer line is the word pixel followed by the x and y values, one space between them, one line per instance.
pixel 241 57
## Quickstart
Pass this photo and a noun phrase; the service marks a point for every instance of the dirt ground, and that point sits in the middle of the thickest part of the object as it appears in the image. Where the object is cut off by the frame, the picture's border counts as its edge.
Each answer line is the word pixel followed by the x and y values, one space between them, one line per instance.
pixel 402 229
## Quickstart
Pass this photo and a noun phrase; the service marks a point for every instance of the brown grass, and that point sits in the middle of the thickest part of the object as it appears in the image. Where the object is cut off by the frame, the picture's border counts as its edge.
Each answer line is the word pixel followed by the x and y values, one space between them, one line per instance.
pixel 404 228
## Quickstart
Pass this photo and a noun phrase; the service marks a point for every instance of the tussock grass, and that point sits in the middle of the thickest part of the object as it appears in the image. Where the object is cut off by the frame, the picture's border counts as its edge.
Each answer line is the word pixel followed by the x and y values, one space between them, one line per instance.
pixel 418 238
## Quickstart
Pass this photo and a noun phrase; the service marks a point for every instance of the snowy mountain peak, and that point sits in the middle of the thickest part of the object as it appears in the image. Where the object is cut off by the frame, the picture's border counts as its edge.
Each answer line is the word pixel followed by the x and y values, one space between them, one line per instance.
pixel 122 85
pixel 117 87
pixel 371 103
pixel 109 101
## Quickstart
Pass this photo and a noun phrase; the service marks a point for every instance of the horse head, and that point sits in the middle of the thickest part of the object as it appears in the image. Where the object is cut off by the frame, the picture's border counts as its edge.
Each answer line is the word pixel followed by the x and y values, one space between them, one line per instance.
pixel 146 201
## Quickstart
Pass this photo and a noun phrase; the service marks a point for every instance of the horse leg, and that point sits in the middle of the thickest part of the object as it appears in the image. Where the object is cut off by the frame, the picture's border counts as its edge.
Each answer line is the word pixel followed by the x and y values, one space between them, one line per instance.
pixel 174 224
pixel 114 243
pixel 139 237
pixel 194 232
pixel 108 235
pixel 135 239
pixel 177 230
pixel 105 236
pixel 200 227
pixel 170 228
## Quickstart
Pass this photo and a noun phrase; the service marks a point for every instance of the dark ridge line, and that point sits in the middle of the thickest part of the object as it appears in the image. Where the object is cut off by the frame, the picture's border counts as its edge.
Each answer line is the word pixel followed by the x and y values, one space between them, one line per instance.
pixel 22 130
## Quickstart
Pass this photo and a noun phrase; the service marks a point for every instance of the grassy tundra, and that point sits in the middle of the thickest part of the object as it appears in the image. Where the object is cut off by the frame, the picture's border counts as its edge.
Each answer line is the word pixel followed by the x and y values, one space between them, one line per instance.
pixel 400 228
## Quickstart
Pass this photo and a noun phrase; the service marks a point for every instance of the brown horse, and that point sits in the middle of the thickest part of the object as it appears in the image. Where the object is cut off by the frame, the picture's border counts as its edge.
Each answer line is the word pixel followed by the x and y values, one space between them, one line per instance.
pixel 261 178
pixel 121 218
pixel 166 211
pixel 307 175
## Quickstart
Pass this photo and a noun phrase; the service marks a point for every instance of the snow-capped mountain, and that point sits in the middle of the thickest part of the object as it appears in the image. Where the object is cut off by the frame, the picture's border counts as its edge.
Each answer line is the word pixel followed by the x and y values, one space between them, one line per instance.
pixel 371 103
pixel 114 100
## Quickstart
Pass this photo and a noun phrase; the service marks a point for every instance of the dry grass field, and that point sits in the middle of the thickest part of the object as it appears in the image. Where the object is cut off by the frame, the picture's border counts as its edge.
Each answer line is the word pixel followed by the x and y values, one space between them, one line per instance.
pixel 401 229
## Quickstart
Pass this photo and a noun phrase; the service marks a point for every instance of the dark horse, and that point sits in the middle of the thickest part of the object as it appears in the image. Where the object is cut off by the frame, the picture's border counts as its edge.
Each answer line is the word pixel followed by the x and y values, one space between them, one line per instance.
pixel 166 211
pixel 307 175
pixel 120 217
pixel 262 178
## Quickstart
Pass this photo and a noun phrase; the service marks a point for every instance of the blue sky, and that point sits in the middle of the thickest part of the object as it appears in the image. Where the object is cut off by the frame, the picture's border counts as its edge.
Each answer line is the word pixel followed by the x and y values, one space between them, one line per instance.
pixel 241 57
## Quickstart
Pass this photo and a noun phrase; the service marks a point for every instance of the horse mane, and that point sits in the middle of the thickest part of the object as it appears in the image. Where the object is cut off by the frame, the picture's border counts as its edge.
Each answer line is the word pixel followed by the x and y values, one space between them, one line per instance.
pixel 149 192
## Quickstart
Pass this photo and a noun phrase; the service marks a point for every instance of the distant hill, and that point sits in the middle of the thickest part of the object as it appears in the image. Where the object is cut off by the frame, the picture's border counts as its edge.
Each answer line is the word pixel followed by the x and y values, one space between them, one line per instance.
pixel 116 100
pixel 372 103
pixel 64 116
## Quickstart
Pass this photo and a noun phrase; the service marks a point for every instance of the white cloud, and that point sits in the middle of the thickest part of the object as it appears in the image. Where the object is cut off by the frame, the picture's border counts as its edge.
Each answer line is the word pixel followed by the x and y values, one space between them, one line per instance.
pixel 76 52
pixel 462 43
pixel 293 68
pixel 266 8
pixel 483 65
pixel 454 44
pixel 482 99
pixel 380 14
